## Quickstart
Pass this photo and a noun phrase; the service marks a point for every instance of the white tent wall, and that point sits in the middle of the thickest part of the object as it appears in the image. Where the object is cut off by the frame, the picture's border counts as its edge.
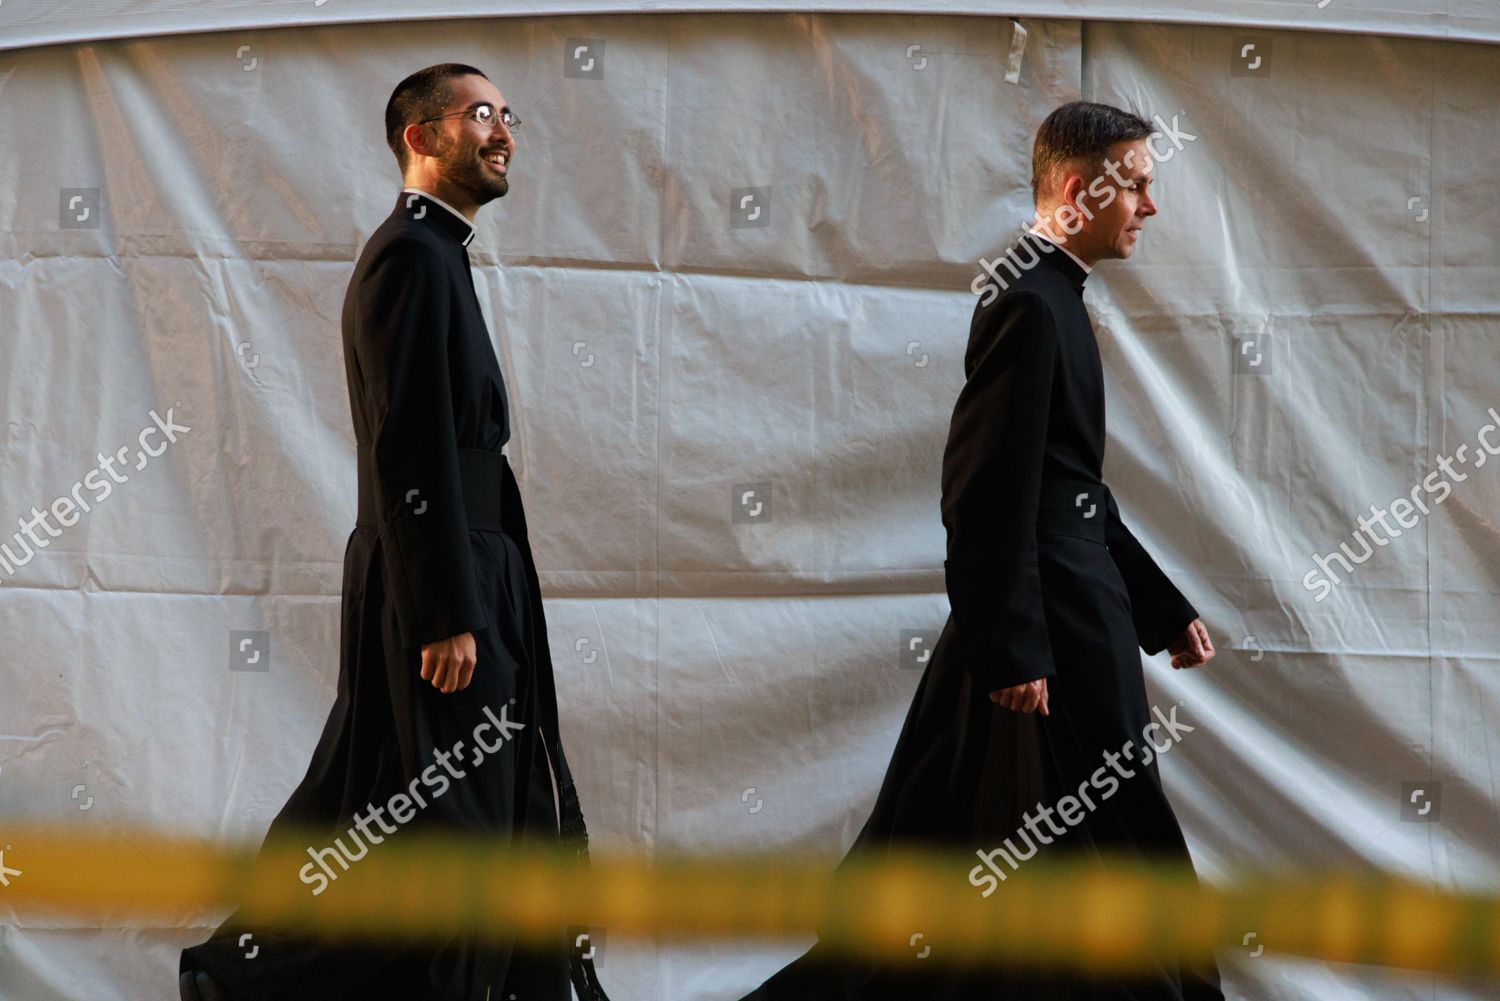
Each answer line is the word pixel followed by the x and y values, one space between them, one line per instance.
pixel 29 22
pixel 729 685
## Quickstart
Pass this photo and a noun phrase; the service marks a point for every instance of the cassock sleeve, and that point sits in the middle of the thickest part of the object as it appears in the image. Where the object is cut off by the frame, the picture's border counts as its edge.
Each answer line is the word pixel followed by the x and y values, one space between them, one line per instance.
pixel 1160 611
pixel 992 475
pixel 403 359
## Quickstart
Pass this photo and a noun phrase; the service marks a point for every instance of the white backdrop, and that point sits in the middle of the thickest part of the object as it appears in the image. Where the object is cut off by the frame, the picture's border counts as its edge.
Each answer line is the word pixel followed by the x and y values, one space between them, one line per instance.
pixel 184 216
pixel 32 22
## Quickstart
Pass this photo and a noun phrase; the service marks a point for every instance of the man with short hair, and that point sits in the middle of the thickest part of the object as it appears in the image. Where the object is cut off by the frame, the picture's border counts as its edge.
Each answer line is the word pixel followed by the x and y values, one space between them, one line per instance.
pixel 1035 685
pixel 446 714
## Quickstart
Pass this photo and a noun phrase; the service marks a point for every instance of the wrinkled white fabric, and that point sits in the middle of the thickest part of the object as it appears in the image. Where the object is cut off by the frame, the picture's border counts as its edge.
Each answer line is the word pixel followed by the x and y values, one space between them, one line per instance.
pixel 23 24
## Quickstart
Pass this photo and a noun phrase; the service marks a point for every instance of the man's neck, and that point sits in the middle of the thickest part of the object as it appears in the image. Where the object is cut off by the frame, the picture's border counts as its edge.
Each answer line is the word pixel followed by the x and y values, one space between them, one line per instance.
pixel 448 199
pixel 1046 233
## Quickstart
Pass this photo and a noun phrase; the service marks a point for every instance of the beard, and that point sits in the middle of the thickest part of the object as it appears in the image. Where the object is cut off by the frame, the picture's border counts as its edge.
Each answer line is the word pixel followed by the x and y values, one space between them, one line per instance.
pixel 463 167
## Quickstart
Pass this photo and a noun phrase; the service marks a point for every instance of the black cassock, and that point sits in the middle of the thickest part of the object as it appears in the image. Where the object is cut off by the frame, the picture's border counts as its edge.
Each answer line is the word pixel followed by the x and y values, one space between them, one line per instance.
pixel 439 548
pixel 1044 581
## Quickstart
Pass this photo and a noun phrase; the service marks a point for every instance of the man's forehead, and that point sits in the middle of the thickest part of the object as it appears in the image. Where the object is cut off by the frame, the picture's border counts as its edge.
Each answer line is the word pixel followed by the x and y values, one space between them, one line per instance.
pixel 1136 159
pixel 470 89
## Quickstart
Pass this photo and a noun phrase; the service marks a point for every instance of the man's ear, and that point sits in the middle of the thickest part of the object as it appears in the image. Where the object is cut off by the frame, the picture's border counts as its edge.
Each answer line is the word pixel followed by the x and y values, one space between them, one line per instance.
pixel 1073 189
pixel 417 140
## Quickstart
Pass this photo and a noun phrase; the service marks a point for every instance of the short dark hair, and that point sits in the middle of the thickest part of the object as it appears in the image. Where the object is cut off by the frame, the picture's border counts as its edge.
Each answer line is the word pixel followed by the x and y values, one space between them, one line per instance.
pixel 422 95
pixel 1080 132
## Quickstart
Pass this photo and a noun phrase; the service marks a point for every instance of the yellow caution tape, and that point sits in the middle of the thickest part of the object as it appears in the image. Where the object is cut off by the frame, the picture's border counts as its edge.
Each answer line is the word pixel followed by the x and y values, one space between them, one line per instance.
pixel 899 907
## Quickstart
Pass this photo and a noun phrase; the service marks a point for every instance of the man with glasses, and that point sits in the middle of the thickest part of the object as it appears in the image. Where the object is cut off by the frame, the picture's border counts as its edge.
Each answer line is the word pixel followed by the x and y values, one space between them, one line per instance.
pixel 446 713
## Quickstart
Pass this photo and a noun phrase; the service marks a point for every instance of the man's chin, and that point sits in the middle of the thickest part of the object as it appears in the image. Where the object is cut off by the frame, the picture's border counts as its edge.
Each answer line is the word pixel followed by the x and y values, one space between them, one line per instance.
pixel 481 188
pixel 489 191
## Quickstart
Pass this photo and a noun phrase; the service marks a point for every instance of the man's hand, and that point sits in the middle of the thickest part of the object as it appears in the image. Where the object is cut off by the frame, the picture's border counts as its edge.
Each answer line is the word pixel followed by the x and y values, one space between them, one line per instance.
pixel 1193 648
pixel 1023 698
pixel 449 664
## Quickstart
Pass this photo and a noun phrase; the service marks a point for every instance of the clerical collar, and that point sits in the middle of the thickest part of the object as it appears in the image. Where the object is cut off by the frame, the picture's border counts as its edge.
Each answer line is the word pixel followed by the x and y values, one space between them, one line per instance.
pixel 1066 263
pixel 1086 268
pixel 451 221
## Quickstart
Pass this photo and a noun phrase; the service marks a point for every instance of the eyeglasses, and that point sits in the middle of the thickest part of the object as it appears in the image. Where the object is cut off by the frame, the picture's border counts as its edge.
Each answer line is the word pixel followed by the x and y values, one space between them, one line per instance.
pixel 484 114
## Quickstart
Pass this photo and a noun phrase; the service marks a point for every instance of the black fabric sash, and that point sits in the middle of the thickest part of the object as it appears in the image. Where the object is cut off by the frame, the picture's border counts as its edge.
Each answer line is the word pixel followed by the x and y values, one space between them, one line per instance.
pixel 482 476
